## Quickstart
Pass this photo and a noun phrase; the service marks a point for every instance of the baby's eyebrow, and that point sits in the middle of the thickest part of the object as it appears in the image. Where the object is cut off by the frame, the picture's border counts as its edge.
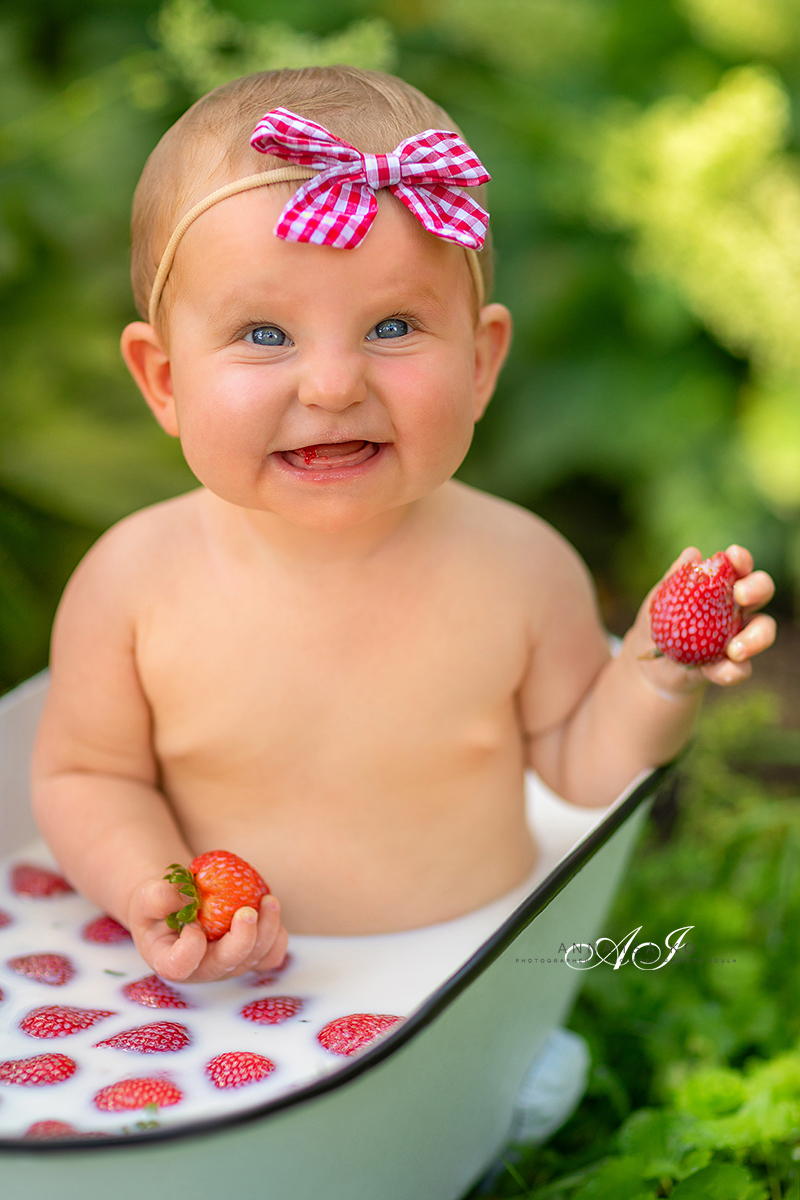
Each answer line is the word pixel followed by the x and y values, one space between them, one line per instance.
pixel 425 300
pixel 235 307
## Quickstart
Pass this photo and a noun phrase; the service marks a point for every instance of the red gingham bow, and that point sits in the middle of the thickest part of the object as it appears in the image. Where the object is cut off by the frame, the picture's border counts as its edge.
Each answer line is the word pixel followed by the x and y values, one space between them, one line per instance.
pixel 337 207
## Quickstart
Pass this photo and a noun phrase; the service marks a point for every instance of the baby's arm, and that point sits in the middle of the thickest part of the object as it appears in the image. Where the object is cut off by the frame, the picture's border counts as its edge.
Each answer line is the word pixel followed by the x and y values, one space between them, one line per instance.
pixel 95 784
pixel 632 712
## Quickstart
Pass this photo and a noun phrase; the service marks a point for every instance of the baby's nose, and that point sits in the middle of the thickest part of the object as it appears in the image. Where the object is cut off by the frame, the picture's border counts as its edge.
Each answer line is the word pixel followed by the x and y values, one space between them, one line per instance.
pixel 332 383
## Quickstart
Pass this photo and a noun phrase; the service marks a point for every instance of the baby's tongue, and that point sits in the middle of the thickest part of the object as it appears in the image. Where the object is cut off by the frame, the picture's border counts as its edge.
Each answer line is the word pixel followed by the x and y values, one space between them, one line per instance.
pixel 325 454
pixel 331 449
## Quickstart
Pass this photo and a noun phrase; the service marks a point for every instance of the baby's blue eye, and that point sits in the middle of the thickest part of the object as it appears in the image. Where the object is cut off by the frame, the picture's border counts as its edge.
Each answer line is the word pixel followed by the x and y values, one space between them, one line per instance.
pixel 391 328
pixel 266 335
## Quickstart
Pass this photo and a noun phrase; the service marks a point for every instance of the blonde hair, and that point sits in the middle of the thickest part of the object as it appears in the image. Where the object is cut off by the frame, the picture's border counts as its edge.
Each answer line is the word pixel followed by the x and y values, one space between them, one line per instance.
pixel 209 146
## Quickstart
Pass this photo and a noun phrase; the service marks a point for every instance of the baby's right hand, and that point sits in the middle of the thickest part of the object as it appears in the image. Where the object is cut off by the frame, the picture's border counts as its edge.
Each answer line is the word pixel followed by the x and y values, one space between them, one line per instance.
pixel 256 941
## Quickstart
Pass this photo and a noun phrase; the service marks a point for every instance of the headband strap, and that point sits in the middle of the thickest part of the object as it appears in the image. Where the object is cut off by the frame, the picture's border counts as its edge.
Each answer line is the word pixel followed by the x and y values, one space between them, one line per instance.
pixel 278 175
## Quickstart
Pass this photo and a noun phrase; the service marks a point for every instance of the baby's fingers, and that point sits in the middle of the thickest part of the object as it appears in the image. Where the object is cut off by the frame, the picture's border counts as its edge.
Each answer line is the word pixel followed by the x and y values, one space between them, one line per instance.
pixel 757 635
pixel 273 939
pixel 726 673
pixel 741 559
pixel 754 590
pixel 243 946
pixel 154 900
pixel 235 948
pixel 252 940
pixel 172 957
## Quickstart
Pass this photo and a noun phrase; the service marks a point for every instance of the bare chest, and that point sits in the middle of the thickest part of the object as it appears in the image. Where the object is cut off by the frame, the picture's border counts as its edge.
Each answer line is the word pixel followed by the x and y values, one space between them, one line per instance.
pixel 278 680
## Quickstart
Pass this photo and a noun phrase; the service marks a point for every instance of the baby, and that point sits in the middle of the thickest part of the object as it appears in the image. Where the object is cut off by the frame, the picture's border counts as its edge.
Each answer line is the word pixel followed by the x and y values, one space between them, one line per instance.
pixel 330 658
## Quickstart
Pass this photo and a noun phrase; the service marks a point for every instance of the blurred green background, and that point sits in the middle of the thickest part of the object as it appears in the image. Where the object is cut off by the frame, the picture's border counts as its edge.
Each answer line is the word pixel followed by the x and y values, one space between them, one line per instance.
pixel 646 210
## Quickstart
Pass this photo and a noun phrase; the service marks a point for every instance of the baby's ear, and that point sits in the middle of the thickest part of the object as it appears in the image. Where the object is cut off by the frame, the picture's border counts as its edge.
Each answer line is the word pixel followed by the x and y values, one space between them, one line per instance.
pixel 148 363
pixel 492 340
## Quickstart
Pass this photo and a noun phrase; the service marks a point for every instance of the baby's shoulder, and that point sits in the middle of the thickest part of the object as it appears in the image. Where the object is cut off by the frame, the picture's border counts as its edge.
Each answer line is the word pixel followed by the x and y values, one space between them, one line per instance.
pixel 507 532
pixel 137 548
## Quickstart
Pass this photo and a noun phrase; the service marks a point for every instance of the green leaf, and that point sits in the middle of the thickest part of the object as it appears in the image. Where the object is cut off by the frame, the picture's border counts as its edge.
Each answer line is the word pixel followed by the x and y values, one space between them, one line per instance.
pixel 618 1179
pixel 720 1181
pixel 659 1139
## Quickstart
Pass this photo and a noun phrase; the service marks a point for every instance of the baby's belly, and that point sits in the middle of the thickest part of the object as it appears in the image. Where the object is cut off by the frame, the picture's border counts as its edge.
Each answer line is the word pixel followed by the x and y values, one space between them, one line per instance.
pixel 366 850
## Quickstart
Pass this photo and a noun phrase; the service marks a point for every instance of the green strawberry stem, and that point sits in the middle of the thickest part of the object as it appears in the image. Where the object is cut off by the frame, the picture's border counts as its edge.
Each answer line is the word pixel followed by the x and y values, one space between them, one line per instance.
pixel 181 878
pixel 654 653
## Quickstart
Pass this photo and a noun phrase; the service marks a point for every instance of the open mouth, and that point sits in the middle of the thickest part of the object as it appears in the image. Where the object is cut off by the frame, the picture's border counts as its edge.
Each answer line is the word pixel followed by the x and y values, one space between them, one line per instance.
pixel 329 456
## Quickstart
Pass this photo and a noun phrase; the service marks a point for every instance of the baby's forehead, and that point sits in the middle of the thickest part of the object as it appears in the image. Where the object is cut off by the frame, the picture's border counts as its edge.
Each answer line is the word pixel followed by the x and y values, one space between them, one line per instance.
pixel 401 253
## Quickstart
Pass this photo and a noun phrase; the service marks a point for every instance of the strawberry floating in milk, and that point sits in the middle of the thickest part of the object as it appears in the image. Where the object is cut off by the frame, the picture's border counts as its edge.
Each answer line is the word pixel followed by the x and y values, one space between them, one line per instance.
pixel 28 879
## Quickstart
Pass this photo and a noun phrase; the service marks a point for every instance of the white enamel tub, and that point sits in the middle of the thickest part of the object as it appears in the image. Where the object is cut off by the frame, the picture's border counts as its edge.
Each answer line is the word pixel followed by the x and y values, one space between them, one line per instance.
pixel 419 1116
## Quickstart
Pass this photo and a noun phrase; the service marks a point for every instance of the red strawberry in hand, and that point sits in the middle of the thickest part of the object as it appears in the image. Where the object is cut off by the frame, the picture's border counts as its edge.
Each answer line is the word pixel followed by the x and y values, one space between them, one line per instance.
pixel 217 884
pixel 693 613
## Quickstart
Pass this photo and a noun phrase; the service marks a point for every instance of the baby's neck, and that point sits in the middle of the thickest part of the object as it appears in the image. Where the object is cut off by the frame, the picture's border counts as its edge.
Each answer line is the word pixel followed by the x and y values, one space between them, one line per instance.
pixel 252 533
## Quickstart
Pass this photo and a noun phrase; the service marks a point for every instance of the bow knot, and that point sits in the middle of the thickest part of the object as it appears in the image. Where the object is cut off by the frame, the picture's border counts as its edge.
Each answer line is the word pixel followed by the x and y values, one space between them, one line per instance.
pixel 426 172
pixel 382 170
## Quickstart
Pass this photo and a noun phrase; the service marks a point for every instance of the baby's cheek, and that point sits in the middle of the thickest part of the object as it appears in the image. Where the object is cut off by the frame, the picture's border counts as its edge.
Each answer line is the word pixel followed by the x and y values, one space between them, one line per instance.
pixel 224 444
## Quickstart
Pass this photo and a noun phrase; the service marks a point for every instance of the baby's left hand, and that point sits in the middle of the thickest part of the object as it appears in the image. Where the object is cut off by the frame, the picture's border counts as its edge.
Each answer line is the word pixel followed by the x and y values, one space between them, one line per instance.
pixel 752 590
pixel 256 941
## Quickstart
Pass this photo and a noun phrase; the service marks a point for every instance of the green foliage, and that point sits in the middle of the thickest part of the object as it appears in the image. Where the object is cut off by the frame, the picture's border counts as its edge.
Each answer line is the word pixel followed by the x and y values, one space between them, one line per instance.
pixel 695 1088
pixel 209 48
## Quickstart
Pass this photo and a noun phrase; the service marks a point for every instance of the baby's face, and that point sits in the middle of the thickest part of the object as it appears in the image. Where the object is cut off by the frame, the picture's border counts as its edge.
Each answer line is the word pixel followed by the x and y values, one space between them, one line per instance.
pixel 326 386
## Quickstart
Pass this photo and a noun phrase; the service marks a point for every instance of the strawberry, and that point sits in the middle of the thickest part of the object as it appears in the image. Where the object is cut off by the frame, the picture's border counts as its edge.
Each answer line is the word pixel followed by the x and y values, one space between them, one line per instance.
pixel 50 1129
pixel 265 978
pixel 217 884
pixel 29 880
pixel 5 918
pixel 58 1129
pixel 153 992
pixel 693 613
pixel 348 1034
pixel 238 1067
pixel 160 1037
pixel 40 1071
pixel 105 931
pixel 55 969
pixel 272 1010
pixel 138 1093
pixel 53 1021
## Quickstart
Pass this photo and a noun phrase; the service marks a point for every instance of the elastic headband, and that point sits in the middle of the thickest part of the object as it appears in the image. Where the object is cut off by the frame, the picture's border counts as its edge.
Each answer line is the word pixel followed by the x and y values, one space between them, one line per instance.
pixel 279 175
